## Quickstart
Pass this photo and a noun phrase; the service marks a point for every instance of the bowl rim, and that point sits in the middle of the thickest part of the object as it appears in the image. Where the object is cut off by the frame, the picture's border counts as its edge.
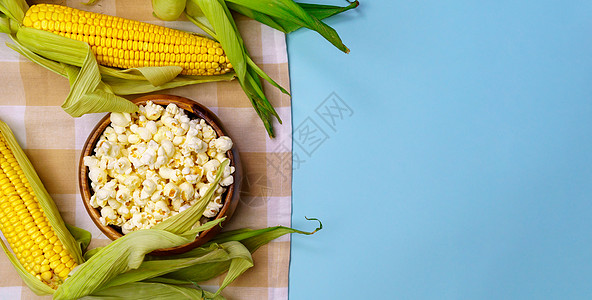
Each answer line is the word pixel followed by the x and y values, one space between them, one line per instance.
pixel 191 107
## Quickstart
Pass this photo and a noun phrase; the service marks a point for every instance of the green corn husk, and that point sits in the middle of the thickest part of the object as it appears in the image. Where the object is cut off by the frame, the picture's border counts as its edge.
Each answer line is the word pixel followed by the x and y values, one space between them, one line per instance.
pixel 62 231
pixel 249 238
pixel 152 290
pixel 229 252
pixel 215 18
pixel 233 256
pixel 253 239
pixel 290 12
pixel 121 255
pixel 81 236
pixel 14 9
pixel 288 25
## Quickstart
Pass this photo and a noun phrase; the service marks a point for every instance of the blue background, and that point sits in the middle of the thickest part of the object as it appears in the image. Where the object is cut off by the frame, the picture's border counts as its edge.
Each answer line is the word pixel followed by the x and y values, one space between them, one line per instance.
pixel 464 168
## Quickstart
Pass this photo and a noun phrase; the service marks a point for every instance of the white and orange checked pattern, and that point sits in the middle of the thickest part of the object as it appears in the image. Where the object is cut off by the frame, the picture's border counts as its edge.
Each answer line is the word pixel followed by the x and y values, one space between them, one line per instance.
pixel 30 104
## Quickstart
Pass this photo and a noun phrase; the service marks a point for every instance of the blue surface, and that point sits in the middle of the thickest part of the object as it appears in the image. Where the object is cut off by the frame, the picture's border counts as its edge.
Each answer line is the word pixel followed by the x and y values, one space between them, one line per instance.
pixel 461 165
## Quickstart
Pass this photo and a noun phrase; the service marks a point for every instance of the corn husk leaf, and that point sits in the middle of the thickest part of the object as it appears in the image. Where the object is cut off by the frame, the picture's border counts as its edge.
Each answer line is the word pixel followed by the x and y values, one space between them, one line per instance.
pixel 241 261
pixel 88 94
pixel 194 13
pixel 321 11
pixel 14 9
pixel 264 75
pixel 155 75
pixel 153 268
pixel 5 24
pixel 129 87
pixel 235 262
pixel 151 290
pixel 53 46
pixel 223 28
pixel 122 82
pixel 124 254
pixel 318 11
pixel 233 256
pixel 89 253
pixel 56 67
pixel 249 238
pixel 120 256
pixel 81 236
pixel 253 239
pixel 292 12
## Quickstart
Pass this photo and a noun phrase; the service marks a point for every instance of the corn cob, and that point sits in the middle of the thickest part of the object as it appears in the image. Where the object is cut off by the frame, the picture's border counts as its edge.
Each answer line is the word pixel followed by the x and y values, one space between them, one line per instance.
pixel 26 226
pixel 121 43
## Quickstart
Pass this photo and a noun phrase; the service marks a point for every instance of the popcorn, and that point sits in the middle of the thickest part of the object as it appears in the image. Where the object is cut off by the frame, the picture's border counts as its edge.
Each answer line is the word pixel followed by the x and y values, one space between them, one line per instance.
pixel 210 168
pixel 121 119
pixel 152 127
pixel 107 215
pixel 123 166
pixel 97 175
pixel 133 138
pixel 226 181
pixel 171 191
pixel 212 209
pixel 144 133
pixel 123 193
pixel 167 147
pixel 152 111
pixel 222 143
pixel 149 186
pixel 186 190
pixel 154 164
pixel 161 210
pixel 168 173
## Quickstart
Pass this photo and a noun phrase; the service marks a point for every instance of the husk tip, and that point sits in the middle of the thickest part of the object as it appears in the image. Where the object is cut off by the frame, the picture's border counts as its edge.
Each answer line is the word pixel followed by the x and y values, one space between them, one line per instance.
pixel 315 219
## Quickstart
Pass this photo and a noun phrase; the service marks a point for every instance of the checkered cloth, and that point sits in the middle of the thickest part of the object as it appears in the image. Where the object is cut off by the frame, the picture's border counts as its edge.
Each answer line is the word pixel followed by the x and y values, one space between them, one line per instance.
pixel 30 104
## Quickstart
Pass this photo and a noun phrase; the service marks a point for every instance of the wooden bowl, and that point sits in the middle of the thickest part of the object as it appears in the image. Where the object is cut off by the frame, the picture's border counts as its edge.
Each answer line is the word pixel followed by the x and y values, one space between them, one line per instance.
pixel 193 110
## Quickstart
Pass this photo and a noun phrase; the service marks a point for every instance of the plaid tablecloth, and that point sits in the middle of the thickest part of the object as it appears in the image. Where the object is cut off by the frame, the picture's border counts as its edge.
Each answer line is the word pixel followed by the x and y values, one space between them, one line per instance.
pixel 30 103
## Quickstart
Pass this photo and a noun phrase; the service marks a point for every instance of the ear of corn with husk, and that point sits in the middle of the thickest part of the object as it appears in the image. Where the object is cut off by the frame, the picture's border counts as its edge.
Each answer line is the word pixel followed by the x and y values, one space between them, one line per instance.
pixel 96 87
pixel 44 249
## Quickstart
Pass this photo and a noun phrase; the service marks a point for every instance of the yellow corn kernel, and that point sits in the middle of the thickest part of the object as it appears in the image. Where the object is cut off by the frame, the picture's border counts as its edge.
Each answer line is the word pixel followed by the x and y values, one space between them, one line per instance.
pixel 46 275
pixel 64 273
